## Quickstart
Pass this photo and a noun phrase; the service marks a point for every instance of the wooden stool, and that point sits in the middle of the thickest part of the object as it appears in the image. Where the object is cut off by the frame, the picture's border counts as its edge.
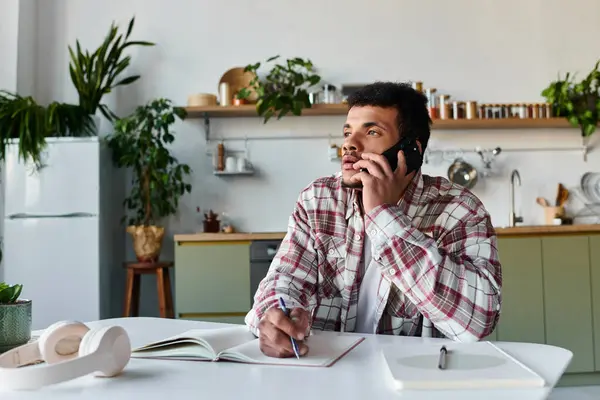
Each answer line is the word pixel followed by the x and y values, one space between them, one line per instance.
pixel 163 285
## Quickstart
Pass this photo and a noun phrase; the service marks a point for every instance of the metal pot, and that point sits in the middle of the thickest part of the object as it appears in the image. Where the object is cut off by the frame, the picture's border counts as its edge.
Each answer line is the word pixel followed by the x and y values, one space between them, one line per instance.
pixel 462 173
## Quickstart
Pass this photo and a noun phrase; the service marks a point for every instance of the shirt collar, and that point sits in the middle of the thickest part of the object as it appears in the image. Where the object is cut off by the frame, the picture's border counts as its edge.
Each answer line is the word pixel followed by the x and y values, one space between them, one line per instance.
pixel 408 204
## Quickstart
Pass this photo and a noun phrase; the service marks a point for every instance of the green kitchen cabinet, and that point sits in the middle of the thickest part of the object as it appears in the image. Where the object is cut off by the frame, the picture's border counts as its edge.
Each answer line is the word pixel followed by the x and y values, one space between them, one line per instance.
pixel 594 246
pixel 212 281
pixel 568 298
pixel 522 313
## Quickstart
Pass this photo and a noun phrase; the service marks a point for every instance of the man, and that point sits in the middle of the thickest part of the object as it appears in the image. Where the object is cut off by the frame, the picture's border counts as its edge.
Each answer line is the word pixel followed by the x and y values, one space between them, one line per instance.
pixel 403 255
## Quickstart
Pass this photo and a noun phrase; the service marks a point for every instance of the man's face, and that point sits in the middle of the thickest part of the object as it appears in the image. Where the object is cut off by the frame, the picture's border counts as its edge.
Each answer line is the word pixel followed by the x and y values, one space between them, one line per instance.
pixel 367 130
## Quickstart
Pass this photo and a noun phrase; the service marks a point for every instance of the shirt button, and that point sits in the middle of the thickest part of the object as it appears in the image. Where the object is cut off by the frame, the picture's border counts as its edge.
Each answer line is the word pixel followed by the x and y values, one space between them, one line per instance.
pixel 392 271
pixel 498 307
pixel 331 251
pixel 357 237
pixel 373 232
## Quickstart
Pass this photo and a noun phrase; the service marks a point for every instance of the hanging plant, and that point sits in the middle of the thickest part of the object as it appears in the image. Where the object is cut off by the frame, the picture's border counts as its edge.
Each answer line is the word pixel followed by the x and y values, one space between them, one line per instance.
pixel 578 102
pixel 283 90
pixel 95 75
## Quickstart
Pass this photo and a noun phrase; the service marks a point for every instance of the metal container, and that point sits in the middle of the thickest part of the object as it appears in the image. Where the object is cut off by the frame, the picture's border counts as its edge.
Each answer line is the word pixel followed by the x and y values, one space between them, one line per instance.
pixel 444 106
pixel 458 110
pixel 535 111
pixel 471 110
pixel 314 97
pixel 463 173
pixel 431 102
pixel 418 86
pixel 329 95
pixel 225 94
pixel 548 110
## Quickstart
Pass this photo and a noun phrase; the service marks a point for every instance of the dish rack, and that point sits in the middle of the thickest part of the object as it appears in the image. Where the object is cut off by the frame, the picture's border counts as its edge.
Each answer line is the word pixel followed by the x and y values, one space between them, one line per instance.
pixel 588 209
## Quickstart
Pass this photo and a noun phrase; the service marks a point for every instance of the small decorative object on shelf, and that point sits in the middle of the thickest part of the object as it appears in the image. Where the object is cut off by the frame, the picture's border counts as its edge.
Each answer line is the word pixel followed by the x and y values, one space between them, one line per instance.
pixel 220 157
pixel 237 101
pixel 224 94
pixel 226 226
pixel 335 152
pixel 211 222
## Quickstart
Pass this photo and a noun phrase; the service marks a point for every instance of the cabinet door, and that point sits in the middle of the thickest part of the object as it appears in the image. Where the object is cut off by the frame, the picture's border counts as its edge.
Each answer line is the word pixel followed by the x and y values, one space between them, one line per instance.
pixel 522 313
pixel 594 243
pixel 212 280
pixel 568 303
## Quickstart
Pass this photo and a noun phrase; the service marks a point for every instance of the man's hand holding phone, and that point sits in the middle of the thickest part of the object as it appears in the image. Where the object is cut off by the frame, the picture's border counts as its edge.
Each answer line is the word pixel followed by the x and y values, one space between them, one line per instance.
pixel 276 329
pixel 381 185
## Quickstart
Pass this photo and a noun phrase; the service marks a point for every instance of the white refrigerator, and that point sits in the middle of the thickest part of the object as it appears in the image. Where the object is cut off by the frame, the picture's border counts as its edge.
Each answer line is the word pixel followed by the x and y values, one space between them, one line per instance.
pixel 63 239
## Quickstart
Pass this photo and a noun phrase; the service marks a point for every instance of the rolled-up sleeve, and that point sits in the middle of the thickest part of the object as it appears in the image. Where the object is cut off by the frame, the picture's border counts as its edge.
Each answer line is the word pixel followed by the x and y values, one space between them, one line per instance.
pixel 292 274
pixel 454 281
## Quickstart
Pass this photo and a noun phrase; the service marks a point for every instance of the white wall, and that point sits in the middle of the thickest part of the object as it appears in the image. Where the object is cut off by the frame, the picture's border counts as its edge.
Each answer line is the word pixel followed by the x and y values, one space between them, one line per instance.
pixel 9 32
pixel 486 51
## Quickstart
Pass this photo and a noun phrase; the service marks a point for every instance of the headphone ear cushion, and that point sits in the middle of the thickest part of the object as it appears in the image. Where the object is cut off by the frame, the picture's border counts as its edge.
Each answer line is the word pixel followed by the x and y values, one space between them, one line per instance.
pixel 61 341
pixel 112 344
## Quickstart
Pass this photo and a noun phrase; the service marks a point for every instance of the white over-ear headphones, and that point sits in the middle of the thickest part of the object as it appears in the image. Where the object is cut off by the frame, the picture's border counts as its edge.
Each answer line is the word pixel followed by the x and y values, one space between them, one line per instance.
pixel 71 350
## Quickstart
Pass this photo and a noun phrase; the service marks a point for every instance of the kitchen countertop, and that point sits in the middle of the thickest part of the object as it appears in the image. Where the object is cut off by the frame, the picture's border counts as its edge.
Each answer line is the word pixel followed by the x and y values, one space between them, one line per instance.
pixel 535 230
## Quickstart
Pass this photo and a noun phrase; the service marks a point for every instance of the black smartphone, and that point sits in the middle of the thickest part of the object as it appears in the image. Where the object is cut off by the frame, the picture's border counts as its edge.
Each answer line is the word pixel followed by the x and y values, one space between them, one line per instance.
pixel 413 156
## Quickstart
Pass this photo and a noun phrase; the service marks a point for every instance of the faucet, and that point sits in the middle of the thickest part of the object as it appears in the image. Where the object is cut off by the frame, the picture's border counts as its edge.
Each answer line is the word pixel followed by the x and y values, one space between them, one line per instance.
pixel 512 217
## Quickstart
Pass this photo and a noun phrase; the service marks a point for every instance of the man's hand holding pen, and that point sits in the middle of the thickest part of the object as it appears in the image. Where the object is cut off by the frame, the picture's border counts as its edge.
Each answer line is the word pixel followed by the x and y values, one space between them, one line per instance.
pixel 276 329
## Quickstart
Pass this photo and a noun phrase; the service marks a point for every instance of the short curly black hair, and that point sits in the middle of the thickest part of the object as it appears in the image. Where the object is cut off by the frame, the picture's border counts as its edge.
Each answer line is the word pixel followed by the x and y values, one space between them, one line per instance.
pixel 413 116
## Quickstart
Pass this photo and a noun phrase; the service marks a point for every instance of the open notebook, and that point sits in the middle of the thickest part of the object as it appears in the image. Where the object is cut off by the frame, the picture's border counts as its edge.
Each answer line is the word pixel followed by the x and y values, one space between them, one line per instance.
pixel 479 365
pixel 238 344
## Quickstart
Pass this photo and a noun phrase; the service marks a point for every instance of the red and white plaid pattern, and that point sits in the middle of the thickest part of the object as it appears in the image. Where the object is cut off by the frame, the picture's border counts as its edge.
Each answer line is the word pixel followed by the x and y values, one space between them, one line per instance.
pixel 436 250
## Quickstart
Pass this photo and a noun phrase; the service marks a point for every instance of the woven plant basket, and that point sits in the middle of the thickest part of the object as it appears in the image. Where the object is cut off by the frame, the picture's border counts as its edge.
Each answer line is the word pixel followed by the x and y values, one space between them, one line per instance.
pixel 147 242
pixel 15 324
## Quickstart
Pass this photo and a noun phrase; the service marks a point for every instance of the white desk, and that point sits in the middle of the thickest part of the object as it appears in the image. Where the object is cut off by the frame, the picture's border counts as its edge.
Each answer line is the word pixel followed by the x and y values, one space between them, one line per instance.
pixel 361 374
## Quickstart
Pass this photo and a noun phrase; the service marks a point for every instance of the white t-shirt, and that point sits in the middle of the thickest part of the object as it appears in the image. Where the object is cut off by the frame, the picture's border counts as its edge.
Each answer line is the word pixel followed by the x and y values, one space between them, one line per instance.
pixel 367 295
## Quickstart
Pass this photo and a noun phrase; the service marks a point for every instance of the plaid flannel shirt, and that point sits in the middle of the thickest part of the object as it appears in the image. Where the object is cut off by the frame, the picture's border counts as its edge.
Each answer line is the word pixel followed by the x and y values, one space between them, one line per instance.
pixel 436 251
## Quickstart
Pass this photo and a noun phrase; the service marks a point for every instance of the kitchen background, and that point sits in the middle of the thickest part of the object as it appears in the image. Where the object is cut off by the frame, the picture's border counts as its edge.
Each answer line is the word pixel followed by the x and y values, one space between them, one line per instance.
pixel 484 51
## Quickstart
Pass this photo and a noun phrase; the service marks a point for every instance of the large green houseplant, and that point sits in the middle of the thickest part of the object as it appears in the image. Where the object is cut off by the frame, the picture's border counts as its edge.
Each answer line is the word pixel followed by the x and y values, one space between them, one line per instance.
pixel 139 142
pixel 577 101
pixel 27 124
pixel 95 74
pixel 283 90
pixel 15 317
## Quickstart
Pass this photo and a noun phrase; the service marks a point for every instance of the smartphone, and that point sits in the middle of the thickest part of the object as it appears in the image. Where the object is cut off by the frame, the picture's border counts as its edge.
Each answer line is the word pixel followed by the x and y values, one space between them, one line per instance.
pixel 413 156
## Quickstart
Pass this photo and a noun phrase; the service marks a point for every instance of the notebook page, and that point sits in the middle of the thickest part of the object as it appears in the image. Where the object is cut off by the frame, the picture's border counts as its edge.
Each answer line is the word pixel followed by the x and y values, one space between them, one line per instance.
pixel 215 339
pixel 324 349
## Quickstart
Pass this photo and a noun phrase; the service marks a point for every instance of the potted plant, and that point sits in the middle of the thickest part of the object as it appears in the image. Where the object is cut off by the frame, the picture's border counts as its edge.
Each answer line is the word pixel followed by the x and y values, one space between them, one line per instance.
pixel 95 75
pixel 15 317
pixel 284 89
pixel 139 142
pixel 27 124
pixel 578 102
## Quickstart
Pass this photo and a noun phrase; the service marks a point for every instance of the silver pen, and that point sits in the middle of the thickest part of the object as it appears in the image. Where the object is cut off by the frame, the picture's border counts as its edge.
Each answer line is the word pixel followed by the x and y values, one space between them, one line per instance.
pixel 442 359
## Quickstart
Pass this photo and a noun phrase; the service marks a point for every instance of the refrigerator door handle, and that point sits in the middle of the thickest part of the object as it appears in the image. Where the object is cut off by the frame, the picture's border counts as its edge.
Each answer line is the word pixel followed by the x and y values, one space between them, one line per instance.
pixel 68 215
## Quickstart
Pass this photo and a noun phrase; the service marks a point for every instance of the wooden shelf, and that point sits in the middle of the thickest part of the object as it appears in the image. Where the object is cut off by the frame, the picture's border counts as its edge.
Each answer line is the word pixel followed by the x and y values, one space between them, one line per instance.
pixel 233 173
pixel 249 110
